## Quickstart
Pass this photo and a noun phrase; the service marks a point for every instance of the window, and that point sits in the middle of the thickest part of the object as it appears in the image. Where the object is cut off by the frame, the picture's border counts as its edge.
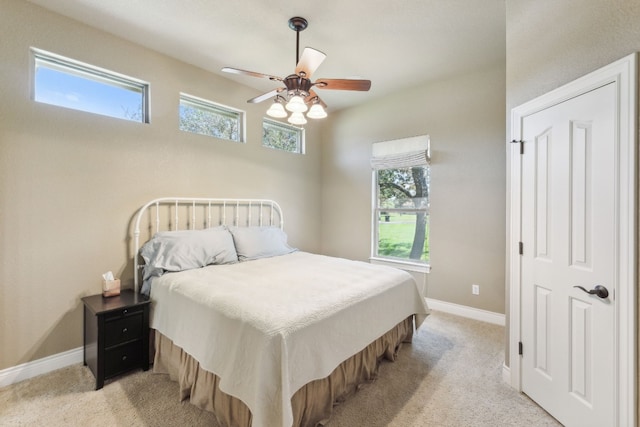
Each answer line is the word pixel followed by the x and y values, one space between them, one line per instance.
pixel 208 118
pixel 282 136
pixel 71 84
pixel 401 179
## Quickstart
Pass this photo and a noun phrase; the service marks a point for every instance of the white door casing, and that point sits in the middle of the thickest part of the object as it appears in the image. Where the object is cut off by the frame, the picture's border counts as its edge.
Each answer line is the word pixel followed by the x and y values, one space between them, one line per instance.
pixel 561 193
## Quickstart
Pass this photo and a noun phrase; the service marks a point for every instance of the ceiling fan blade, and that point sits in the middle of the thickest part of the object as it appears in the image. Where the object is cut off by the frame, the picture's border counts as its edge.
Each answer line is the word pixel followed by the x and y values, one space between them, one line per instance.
pixel 250 73
pixel 310 61
pixel 343 84
pixel 265 96
pixel 313 95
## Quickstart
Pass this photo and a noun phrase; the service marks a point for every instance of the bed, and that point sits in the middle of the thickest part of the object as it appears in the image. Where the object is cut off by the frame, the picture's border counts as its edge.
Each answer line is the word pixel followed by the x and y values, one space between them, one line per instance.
pixel 256 331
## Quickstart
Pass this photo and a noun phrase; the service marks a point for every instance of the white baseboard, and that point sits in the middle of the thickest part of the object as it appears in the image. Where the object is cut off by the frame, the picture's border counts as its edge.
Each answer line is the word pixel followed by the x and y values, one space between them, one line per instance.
pixel 506 374
pixel 57 361
pixel 466 311
pixel 41 366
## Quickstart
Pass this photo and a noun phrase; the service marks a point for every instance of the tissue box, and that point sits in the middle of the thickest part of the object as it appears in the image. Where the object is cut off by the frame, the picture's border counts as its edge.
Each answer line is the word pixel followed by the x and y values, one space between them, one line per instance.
pixel 110 288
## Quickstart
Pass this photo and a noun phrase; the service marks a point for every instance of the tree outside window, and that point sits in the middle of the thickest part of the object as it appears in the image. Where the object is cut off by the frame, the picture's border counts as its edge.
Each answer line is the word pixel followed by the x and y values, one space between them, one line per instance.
pixel 208 118
pixel 402 213
pixel 282 136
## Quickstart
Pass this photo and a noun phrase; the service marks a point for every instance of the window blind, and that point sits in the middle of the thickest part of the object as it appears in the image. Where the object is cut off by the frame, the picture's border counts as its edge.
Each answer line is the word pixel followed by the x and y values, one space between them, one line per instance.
pixel 401 153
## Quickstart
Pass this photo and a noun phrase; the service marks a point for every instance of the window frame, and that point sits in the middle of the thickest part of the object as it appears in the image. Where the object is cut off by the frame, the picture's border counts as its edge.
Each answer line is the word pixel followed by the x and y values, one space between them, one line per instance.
pixel 216 108
pixel 299 131
pixel 376 210
pixel 72 67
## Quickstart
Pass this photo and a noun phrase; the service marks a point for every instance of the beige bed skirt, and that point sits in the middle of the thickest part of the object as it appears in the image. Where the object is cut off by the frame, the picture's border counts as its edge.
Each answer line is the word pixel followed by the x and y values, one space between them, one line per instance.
pixel 312 404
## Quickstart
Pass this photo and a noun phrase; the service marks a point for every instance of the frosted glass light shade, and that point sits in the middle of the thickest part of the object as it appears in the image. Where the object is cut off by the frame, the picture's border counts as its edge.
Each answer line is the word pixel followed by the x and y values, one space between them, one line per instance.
pixel 297 119
pixel 316 112
pixel 296 104
pixel 276 110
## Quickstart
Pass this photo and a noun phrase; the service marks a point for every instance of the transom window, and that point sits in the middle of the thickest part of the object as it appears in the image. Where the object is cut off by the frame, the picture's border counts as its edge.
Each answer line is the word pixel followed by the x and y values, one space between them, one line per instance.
pixel 71 84
pixel 401 177
pixel 282 136
pixel 205 117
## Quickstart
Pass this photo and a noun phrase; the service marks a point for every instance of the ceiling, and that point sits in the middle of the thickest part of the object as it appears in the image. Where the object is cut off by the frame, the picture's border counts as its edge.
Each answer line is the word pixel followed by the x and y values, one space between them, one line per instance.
pixel 395 44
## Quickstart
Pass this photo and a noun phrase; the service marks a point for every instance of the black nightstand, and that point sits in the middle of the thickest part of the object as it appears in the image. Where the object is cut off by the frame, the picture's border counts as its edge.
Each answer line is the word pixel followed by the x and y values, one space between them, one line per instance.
pixel 116 334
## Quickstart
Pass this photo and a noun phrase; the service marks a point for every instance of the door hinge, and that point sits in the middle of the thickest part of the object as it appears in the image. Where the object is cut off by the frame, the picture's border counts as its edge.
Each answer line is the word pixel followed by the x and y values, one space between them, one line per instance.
pixel 521 142
pixel 520 248
pixel 520 348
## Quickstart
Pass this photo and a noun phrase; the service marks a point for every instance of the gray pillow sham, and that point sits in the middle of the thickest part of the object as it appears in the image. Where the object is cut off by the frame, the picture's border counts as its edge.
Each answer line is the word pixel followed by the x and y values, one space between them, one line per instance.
pixel 259 242
pixel 186 250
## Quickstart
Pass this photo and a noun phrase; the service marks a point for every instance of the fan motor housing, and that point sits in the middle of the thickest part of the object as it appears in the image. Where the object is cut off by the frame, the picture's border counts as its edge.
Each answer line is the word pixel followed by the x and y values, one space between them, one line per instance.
pixel 297 85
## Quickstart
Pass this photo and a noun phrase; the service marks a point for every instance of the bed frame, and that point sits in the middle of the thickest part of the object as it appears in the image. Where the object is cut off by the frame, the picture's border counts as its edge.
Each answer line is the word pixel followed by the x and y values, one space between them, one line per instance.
pixel 313 403
pixel 194 213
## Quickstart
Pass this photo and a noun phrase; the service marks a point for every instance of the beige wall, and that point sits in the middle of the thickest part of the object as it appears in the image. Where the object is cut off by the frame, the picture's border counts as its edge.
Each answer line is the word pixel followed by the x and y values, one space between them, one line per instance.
pixel 464 117
pixel 71 181
pixel 551 42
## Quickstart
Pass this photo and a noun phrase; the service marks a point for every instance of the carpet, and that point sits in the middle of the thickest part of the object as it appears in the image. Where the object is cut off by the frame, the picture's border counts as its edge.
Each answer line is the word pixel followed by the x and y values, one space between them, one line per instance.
pixel 450 376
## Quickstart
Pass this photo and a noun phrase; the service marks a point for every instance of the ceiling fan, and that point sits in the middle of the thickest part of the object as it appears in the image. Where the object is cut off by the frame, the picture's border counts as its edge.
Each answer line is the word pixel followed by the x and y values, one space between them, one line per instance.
pixel 297 94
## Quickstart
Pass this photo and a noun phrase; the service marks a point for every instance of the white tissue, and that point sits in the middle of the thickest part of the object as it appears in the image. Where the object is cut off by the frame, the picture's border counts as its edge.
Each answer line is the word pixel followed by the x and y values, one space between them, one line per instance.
pixel 108 276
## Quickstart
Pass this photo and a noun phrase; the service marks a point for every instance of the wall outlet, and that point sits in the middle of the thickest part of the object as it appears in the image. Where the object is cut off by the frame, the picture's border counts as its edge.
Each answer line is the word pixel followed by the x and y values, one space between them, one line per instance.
pixel 475 289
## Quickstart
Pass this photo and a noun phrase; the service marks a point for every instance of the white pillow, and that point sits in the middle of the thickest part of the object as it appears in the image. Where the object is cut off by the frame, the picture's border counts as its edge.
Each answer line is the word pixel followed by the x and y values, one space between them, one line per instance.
pixel 260 242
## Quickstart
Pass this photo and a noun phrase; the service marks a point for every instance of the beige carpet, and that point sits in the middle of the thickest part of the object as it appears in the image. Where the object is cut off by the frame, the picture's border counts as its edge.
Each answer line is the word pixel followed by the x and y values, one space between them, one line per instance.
pixel 449 376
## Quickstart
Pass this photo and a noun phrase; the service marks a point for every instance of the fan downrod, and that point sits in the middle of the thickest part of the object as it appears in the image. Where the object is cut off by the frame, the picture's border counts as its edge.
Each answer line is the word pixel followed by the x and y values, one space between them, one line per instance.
pixel 298 24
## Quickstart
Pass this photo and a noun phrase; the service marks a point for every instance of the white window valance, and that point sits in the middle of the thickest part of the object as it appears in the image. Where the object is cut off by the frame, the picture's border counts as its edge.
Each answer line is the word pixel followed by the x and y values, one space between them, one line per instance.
pixel 401 153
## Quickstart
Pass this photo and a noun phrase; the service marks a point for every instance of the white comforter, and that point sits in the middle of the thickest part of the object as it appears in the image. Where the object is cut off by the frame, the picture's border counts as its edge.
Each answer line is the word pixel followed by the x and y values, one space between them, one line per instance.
pixel 269 326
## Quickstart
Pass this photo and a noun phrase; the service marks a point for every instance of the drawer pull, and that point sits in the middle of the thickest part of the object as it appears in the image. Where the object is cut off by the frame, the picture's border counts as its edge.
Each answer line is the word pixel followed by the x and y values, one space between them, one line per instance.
pixel 125 311
pixel 124 357
pixel 124 330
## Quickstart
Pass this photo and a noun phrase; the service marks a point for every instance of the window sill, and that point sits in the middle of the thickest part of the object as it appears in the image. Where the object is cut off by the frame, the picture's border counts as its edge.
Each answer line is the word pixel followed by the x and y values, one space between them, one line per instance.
pixel 404 265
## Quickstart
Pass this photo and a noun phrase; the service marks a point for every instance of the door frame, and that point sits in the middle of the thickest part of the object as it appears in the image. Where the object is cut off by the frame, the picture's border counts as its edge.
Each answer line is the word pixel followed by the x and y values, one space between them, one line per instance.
pixel 624 73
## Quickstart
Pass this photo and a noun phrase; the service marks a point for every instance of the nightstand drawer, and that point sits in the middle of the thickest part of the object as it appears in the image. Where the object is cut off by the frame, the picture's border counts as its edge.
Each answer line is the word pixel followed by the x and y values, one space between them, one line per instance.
pixel 122 358
pixel 122 330
pixel 123 312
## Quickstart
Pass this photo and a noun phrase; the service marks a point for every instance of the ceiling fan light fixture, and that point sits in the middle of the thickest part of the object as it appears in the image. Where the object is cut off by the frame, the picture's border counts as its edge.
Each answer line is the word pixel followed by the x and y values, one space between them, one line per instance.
pixel 297 119
pixel 316 112
pixel 297 93
pixel 277 110
pixel 296 104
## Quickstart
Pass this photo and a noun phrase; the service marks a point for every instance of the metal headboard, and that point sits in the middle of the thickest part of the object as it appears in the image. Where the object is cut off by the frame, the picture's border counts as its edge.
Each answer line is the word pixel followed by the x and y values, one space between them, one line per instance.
pixel 189 213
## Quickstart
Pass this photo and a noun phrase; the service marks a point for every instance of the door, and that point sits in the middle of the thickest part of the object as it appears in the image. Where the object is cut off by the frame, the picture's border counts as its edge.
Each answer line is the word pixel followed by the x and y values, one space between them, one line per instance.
pixel 568 235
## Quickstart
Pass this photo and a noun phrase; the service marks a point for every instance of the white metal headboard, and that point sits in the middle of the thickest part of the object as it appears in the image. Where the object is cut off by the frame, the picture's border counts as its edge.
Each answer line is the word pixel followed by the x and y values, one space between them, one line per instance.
pixel 189 213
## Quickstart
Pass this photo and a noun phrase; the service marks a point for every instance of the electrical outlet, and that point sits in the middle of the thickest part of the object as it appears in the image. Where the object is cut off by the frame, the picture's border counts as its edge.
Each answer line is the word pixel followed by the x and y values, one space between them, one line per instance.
pixel 475 289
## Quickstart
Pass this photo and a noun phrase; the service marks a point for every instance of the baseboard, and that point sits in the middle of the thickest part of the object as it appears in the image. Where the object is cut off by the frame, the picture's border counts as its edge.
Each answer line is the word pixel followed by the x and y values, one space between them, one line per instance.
pixel 466 311
pixel 57 361
pixel 506 374
pixel 41 366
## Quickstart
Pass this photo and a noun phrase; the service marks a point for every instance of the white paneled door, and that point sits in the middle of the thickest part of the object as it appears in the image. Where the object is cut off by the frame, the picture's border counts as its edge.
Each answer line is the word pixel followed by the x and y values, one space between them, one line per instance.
pixel 573 249
pixel 569 246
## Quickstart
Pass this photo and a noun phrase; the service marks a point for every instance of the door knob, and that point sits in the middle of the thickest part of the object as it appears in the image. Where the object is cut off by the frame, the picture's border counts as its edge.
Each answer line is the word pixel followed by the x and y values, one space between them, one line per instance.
pixel 598 290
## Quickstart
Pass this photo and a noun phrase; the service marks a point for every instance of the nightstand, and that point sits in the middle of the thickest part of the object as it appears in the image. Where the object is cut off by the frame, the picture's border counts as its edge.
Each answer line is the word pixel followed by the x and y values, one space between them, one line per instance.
pixel 116 334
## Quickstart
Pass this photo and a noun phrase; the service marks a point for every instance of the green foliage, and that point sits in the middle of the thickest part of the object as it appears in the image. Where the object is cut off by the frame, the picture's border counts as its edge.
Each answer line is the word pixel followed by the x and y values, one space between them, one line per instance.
pixel 404 187
pixel 407 189
pixel 280 137
pixel 396 236
pixel 209 123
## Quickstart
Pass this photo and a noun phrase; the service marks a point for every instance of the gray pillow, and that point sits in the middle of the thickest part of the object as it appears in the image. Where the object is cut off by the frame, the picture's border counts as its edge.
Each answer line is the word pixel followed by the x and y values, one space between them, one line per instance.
pixel 260 242
pixel 186 250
